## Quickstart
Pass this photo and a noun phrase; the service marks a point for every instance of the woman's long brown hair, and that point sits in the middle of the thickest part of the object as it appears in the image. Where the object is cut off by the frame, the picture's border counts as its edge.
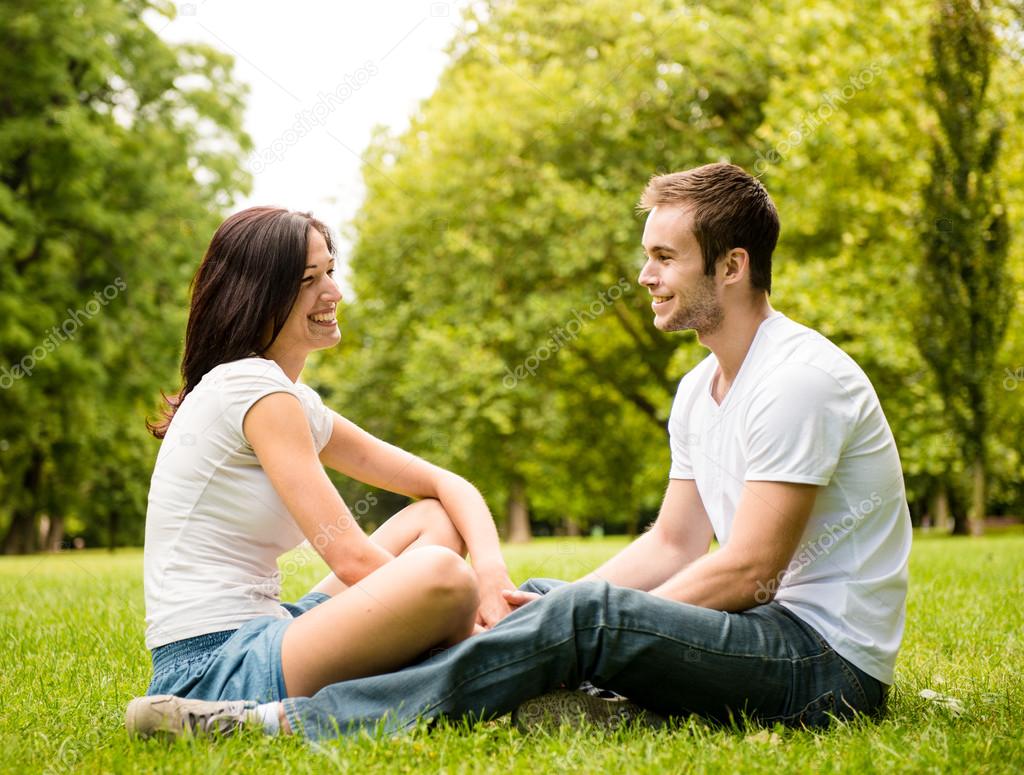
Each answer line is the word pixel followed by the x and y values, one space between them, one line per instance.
pixel 248 281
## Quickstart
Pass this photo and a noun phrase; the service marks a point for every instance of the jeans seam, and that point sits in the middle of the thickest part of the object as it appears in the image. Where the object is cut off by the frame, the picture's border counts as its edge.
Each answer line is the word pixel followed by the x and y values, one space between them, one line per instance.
pixel 292 715
pixel 855 683
pixel 707 650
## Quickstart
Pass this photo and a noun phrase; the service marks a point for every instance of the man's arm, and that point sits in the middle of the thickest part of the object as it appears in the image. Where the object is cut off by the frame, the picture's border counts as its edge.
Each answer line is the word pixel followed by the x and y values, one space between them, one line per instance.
pixel 770 520
pixel 680 535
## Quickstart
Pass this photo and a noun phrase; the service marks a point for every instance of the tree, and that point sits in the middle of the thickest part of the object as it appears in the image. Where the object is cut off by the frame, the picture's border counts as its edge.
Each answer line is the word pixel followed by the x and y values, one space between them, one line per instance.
pixel 964 276
pixel 498 326
pixel 507 206
pixel 118 153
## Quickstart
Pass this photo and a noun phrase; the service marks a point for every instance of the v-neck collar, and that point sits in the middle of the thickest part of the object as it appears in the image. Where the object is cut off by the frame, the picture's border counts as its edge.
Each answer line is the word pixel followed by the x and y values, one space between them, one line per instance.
pixel 718 407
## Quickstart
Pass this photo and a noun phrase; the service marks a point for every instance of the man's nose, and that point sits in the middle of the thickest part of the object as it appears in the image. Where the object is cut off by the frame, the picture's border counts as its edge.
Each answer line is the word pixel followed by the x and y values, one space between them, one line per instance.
pixel 647 277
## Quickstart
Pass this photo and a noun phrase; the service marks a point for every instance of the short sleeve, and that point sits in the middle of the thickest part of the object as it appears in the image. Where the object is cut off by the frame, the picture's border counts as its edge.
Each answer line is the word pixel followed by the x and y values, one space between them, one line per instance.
pixel 680 441
pixel 682 436
pixel 245 383
pixel 321 419
pixel 797 425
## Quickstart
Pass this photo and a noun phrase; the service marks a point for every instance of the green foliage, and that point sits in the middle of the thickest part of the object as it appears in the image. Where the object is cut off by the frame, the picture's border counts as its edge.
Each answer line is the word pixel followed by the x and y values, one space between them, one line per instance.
pixel 507 206
pixel 65 687
pixel 117 154
pixel 966 230
pixel 498 327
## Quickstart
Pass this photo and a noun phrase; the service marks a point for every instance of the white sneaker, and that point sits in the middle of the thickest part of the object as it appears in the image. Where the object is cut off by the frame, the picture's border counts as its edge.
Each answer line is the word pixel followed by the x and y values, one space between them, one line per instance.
pixel 168 716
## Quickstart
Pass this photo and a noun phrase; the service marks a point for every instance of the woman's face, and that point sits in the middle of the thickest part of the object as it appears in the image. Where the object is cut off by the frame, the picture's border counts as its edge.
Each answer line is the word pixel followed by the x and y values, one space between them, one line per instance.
pixel 312 323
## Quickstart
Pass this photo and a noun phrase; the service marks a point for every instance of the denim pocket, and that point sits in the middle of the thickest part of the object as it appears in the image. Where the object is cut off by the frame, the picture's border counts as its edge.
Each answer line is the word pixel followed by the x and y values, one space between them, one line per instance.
pixel 817 713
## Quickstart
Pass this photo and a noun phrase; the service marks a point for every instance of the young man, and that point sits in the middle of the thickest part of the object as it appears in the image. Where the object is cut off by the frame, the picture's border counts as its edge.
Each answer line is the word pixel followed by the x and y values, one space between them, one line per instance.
pixel 779 449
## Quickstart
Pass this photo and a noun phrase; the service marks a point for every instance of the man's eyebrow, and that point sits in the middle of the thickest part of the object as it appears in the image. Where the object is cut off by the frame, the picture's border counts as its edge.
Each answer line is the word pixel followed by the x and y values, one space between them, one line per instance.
pixel 661 249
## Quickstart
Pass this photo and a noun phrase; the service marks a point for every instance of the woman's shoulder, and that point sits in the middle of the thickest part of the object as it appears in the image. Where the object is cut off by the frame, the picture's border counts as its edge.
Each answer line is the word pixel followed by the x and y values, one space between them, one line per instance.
pixel 244 376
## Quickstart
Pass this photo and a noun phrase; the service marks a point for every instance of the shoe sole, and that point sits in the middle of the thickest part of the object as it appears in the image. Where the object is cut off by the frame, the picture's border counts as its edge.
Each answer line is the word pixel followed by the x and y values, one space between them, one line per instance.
pixel 575 708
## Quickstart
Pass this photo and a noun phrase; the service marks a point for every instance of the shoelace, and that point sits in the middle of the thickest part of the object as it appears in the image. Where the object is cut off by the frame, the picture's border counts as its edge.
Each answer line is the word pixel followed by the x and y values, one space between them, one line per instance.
pixel 597 691
pixel 209 722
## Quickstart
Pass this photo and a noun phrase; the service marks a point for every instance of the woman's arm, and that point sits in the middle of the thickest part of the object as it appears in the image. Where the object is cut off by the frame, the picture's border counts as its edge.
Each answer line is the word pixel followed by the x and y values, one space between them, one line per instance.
pixel 278 431
pixel 360 455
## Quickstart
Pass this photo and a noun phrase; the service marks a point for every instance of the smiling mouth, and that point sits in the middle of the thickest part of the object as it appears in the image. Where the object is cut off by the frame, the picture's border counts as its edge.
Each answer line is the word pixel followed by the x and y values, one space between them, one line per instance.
pixel 660 299
pixel 323 319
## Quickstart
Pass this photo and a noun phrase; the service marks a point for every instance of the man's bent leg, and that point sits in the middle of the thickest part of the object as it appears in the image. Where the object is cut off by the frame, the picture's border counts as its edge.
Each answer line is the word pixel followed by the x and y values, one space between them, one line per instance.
pixel 671 657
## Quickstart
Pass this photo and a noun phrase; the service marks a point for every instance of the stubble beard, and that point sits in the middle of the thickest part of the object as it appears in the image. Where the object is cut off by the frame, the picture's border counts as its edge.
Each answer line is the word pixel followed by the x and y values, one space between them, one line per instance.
pixel 698 310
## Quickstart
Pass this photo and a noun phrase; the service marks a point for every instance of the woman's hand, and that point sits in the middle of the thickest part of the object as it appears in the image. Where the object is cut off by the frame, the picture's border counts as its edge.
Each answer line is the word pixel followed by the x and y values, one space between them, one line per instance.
pixel 493 583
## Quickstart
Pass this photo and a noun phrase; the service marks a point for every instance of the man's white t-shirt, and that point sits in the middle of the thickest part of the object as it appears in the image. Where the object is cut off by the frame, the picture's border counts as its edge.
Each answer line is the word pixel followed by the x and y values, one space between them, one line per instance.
pixel 801 410
pixel 215 526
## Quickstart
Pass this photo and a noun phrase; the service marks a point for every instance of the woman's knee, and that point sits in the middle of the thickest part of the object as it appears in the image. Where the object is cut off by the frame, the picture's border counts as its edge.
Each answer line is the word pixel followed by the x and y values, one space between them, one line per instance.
pixel 444 578
pixel 439 524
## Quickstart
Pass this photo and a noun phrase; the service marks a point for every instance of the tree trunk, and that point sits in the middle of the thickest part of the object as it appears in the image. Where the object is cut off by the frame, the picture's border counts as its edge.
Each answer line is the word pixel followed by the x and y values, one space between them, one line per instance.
pixel 113 522
pixel 976 516
pixel 22 536
pixel 54 537
pixel 942 521
pixel 956 508
pixel 518 513
pixel 571 528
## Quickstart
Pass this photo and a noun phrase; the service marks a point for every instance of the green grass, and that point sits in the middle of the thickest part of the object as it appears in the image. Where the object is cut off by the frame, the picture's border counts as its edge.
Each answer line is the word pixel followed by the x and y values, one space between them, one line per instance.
pixel 71 656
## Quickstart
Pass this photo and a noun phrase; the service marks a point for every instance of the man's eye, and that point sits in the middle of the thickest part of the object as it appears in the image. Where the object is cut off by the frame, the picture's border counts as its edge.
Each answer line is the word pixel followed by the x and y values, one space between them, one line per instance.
pixel 330 272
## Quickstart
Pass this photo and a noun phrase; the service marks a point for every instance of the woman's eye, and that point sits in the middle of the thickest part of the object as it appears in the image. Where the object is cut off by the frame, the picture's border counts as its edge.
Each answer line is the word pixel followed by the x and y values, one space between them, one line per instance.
pixel 307 279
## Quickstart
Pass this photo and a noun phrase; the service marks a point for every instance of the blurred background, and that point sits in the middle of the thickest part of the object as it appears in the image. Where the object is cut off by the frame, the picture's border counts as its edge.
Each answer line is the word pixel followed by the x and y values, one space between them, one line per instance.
pixel 481 162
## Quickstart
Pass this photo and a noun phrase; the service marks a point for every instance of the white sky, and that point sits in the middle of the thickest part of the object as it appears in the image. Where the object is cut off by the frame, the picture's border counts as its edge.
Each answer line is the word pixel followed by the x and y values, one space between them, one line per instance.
pixel 377 59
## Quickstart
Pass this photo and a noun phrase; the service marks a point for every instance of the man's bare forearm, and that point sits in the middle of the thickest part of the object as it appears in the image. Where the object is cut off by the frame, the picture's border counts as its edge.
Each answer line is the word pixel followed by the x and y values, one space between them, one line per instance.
pixel 645 563
pixel 723 581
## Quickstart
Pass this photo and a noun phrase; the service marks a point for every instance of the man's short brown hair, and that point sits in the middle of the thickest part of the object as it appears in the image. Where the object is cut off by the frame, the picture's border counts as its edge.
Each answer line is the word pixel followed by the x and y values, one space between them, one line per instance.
pixel 731 209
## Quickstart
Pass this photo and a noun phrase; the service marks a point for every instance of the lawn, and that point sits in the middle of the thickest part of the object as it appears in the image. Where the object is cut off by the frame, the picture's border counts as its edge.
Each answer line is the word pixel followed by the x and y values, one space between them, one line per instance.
pixel 72 655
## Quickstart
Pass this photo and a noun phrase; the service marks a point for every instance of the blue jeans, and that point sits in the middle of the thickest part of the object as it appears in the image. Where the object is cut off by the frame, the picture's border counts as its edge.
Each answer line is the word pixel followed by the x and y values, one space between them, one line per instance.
pixel 673 658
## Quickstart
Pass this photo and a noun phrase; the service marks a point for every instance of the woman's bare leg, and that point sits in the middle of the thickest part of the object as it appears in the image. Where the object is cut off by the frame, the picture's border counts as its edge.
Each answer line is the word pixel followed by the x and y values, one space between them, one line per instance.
pixel 424 523
pixel 426 597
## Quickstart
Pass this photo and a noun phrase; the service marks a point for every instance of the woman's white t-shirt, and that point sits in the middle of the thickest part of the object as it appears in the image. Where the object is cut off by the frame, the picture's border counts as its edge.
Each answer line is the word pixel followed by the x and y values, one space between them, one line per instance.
pixel 215 526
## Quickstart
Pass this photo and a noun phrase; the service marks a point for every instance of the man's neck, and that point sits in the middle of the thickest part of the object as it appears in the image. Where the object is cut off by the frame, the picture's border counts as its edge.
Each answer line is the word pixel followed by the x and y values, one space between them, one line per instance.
pixel 731 341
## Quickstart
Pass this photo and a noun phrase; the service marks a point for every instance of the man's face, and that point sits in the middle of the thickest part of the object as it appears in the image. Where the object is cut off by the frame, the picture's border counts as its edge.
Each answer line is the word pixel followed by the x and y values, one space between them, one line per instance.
pixel 683 296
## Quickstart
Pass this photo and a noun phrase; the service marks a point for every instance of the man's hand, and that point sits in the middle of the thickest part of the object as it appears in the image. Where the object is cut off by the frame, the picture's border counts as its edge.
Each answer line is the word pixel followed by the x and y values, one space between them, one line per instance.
pixel 517 598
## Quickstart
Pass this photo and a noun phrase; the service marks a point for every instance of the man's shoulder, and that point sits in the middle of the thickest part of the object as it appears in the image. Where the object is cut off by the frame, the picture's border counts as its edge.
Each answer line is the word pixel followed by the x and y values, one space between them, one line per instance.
pixel 790 347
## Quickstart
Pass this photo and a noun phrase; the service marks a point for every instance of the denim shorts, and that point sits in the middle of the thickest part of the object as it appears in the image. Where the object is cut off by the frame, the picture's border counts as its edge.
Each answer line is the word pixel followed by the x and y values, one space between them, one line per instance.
pixel 242 664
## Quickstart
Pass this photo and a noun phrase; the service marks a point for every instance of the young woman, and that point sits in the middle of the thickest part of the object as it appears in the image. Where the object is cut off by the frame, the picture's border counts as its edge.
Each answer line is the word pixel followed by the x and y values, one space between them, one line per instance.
pixel 240 479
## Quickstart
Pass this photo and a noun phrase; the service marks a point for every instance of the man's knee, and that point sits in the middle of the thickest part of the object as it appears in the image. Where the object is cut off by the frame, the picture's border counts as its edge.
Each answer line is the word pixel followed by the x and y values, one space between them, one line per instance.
pixel 541 586
pixel 587 599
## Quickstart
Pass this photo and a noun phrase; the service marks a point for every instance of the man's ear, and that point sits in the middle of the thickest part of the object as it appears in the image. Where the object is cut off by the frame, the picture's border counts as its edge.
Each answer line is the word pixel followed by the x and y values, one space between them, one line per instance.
pixel 735 266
